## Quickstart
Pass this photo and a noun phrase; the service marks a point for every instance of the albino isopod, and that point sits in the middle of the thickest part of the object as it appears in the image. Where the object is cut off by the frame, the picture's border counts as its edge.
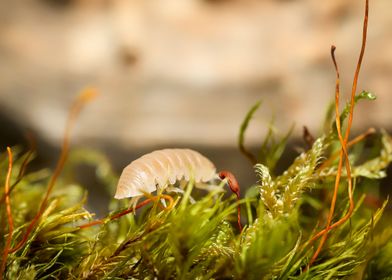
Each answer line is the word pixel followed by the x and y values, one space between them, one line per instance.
pixel 164 167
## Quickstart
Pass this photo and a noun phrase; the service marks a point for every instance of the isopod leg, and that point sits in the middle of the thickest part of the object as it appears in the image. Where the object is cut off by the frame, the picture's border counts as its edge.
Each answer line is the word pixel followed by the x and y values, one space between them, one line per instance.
pixel 235 188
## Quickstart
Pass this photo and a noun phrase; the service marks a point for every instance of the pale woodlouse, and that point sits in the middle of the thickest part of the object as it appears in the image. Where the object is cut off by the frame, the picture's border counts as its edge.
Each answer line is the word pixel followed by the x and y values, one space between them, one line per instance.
pixel 163 168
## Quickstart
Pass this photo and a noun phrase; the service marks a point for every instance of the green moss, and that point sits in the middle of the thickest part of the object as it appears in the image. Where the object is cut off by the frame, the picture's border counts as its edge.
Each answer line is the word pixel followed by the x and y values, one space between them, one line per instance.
pixel 199 240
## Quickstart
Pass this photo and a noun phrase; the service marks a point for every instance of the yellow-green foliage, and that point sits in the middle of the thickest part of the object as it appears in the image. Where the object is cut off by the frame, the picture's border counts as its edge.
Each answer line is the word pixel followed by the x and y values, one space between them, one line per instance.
pixel 199 240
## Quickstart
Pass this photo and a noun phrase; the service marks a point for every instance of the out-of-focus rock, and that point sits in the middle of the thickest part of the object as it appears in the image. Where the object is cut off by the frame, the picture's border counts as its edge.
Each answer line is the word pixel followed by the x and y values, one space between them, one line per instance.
pixel 186 72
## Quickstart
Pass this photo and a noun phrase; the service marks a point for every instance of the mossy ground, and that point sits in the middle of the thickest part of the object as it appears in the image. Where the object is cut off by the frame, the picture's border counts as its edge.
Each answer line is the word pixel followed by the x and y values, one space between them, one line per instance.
pixel 46 233
pixel 199 239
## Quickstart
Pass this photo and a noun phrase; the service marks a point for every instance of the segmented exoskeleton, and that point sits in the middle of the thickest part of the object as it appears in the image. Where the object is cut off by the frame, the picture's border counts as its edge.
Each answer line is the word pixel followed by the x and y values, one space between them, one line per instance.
pixel 162 168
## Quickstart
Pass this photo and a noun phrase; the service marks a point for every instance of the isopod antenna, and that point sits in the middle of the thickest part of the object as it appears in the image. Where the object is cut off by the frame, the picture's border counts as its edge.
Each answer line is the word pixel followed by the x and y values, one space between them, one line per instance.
pixel 235 188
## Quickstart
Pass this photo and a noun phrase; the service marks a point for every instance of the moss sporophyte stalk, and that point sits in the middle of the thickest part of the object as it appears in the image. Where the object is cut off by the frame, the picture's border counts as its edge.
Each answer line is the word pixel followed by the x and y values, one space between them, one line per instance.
pixel 315 220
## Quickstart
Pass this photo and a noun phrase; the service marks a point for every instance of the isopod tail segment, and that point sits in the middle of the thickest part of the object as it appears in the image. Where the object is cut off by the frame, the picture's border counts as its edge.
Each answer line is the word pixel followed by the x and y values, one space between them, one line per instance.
pixel 235 188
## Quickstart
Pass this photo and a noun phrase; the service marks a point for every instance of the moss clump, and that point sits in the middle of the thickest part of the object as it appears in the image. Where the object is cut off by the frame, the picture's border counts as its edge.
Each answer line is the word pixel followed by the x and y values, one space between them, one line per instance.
pixel 199 240
pixel 194 237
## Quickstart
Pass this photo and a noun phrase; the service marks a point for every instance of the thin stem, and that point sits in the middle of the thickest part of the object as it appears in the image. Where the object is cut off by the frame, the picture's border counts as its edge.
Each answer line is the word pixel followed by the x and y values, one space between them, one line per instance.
pixel 357 71
pixel 130 210
pixel 23 167
pixel 343 142
pixel 9 214
pixel 86 96
pixel 343 151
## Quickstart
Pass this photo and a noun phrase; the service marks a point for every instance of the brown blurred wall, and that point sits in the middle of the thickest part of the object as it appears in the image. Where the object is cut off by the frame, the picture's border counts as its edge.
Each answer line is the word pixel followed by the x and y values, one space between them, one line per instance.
pixel 185 73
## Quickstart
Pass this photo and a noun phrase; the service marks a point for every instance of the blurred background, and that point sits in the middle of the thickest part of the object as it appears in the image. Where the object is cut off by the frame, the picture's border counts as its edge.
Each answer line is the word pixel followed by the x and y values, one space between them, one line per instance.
pixel 178 73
